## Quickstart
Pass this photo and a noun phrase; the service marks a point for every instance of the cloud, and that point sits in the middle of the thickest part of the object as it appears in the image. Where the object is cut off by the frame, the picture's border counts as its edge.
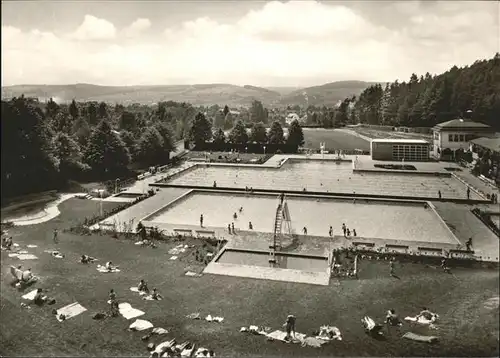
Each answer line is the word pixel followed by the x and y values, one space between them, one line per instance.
pixel 94 28
pixel 137 27
pixel 293 43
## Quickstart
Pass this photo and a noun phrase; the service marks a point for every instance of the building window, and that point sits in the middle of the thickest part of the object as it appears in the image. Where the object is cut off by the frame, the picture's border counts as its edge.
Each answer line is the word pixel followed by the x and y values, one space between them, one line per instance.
pixel 462 138
pixel 450 137
pixel 455 138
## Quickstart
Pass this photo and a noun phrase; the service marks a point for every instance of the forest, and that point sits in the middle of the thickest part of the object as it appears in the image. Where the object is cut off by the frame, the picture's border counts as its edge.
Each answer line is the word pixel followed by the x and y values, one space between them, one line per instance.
pixel 424 100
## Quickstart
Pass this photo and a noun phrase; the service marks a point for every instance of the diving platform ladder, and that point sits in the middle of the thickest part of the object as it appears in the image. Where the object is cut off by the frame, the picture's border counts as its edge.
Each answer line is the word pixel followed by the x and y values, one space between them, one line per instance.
pixel 282 217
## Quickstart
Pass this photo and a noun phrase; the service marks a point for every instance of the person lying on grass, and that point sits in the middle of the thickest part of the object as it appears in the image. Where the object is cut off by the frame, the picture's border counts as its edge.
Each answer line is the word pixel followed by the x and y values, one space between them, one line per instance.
pixel 143 287
pixel 7 243
pixel 85 259
pixel 40 299
pixel 110 267
pixel 392 318
pixel 425 313
pixel 155 295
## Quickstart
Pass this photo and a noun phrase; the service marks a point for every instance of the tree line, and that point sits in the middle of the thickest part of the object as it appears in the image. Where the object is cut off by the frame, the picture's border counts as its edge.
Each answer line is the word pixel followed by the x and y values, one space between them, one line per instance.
pixel 202 131
pixel 428 100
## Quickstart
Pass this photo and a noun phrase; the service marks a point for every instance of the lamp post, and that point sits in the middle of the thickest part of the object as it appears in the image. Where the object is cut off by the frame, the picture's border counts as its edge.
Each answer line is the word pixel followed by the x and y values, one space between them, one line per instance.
pixel 100 202
pixel 264 150
pixel 116 185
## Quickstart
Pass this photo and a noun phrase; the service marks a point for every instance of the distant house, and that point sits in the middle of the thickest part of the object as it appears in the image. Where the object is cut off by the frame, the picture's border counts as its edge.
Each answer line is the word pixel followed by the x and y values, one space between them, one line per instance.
pixel 456 134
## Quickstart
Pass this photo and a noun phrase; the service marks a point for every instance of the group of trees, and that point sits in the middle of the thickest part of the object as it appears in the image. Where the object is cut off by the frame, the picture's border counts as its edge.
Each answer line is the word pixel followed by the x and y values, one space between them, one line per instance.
pixel 46 144
pixel 226 119
pixel 427 100
pixel 201 132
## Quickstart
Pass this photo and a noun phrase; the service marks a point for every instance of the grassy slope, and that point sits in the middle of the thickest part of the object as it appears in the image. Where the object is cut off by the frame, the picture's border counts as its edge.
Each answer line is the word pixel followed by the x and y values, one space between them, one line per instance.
pixel 467 329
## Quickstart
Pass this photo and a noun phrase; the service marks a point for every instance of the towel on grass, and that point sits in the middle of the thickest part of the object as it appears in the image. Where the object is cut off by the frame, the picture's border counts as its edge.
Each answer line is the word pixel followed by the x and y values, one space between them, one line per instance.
pixel 103 269
pixel 27 257
pixel 15 244
pixel 69 311
pixel 30 296
pixel 193 274
pixel 23 252
pixel 31 246
pixel 202 352
pixel 127 311
pixel 163 347
pixel 159 330
pixel 420 338
pixel 280 336
pixel 173 258
pixel 13 255
pixel 209 318
pixel 140 325
pixel 136 290
pixel 422 320
pixel 195 315
pixel 314 342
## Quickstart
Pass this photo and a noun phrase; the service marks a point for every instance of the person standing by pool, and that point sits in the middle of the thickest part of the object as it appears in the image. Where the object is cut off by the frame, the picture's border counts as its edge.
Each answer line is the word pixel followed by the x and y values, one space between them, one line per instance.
pixel 468 192
pixel 235 216
pixel 229 228
pixel 304 230
pixel 290 326
pixel 201 220
pixel 250 226
pixel 348 232
pixel 232 227
pixel 439 194
pixel 391 267
pixel 468 244
pixel 354 232
pixel 344 229
pixel 330 232
pixel 56 238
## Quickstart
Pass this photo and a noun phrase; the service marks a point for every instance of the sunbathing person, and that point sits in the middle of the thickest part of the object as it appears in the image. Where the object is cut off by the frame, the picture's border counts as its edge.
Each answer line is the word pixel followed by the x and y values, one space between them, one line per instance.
pixel 155 295
pixel 392 318
pixel 7 243
pixel 110 267
pixel 85 259
pixel 425 313
pixel 112 295
pixel 143 287
pixel 39 299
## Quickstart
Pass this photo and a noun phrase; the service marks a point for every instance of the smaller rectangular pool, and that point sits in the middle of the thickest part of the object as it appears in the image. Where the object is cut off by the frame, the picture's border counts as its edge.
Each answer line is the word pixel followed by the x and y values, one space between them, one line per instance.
pixel 284 260
pixel 128 195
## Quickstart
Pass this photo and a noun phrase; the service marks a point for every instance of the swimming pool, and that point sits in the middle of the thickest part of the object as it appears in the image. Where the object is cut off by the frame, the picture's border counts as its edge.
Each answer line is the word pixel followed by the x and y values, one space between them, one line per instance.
pixel 261 259
pixel 323 176
pixel 371 218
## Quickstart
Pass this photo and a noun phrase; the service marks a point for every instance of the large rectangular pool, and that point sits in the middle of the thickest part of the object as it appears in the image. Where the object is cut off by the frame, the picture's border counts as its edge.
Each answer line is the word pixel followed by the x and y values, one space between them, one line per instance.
pixel 323 176
pixel 370 218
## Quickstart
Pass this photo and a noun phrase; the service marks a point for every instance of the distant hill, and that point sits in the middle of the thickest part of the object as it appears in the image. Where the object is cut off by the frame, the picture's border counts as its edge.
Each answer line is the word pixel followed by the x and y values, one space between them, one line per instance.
pixel 328 94
pixel 202 94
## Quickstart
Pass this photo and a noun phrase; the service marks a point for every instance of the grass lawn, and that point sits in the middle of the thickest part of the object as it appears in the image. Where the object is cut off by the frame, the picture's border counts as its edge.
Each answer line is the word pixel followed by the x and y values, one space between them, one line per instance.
pixel 466 328
pixel 333 139
pixel 382 134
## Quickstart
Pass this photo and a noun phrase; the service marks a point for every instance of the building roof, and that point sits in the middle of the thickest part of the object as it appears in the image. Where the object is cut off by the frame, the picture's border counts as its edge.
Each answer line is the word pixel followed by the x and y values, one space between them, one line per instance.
pixel 461 124
pixel 405 141
pixel 492 144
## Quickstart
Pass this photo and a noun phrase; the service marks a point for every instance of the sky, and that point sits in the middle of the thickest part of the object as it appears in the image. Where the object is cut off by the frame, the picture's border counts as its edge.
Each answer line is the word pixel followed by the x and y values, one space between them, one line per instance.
pixel 296 43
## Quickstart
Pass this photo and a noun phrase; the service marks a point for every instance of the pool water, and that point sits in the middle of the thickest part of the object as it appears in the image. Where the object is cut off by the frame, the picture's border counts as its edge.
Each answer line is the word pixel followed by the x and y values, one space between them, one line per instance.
pixel 372 219
pixel 323 176
pixel 261 259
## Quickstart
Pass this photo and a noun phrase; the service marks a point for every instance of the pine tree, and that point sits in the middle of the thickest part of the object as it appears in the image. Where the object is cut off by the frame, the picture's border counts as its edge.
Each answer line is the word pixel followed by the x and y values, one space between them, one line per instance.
pixel 258 133
pixel 106 153
pixel 219 137
pixel 295 135
pixel 238 134
pixel 275 135
pixel 201 130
